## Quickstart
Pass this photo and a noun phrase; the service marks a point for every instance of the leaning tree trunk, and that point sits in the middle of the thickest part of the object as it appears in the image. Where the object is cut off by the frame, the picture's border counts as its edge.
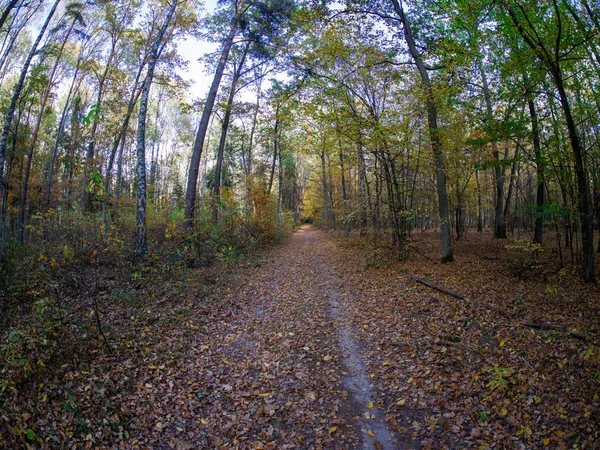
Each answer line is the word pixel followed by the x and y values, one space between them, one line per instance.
pixel 17 93
pixel 7 11
pixel 436 143
pixel 223 139
pixel 192 183
pixel 140 242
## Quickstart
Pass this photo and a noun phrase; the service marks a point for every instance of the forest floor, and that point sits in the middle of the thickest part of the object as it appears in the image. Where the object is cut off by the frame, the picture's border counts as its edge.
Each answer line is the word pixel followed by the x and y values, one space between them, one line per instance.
pixel 326 344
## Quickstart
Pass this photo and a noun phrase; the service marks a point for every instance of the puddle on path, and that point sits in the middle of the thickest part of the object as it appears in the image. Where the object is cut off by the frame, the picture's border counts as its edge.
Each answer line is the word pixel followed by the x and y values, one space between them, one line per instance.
pixel 372 426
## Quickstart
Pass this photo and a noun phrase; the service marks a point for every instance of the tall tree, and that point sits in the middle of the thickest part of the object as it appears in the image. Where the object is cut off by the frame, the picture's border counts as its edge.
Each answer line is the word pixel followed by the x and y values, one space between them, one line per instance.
pixel 140 242
pixel 549 50
pixel 434 135
pixel 17 93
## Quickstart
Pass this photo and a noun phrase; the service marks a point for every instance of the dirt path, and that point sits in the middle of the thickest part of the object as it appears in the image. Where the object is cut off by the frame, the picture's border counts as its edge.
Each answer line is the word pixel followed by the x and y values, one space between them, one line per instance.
pixel 298 351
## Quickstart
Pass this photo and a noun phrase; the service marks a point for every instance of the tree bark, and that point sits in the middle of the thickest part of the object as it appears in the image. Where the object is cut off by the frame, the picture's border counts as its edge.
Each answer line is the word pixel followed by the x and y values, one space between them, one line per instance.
pixel 325 195
pixel 538 233
pixel 479 204
pixel 61 126
pixel 17 93
pixel 584 197
pixel 499 220
pixel 140 242
pixel 7 11
pixel 275 148
pixel 436 144
pixel 192 182
pixel 224 128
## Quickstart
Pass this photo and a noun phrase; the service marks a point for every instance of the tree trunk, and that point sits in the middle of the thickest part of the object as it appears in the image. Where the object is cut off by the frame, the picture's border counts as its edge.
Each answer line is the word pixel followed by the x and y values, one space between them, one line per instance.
pixel 479 205
pixel 140 242
pixel 344 193
pixel 6 12
pixel 61 126
pixel 538 233
pixel 89 155
pixel 223 139
pixel 362 185
pixel 511 184
pixel 16 94
pixel 192 182
pixel 275 148
pixel 499 220
pixel 325 194
pixel 436 144
pixel 585 201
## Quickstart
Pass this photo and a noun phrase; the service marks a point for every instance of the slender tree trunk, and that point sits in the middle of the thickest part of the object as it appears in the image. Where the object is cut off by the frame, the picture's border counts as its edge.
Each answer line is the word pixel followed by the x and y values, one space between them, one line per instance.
pixel 479 204
pixel 135 95
pixel 248 167
pixel 538 233
pixel 344 193
pixel 584 197
pixel 7 9
pixel 224 128
pixel 499 221
pixel 16 94
pixel 38 122
pixel 89 155
pixel 279 190
pixel 362 185
pixel 61 125
pixel 511 184
pixel 13 37
pixel 436 144
pixel 140 242
pixel 325 194
pixel 275 148
pixel 192 183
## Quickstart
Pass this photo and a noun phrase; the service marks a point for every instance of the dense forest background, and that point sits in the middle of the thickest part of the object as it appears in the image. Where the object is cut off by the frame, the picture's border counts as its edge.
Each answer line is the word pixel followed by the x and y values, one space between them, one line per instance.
pixel 378 119
pixel 372 115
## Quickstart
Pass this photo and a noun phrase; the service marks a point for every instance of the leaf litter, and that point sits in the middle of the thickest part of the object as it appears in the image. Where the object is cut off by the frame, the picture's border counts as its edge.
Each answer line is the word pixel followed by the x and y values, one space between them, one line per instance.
pixel 313 349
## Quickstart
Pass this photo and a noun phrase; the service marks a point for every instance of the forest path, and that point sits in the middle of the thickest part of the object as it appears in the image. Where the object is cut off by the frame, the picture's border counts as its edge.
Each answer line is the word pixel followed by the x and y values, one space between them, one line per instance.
pixel 295 338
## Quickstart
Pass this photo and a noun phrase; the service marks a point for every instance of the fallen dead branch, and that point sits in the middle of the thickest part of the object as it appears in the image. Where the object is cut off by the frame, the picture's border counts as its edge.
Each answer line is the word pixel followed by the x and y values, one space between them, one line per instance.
pixel 438 288
pixel 553 326
pixel 538 326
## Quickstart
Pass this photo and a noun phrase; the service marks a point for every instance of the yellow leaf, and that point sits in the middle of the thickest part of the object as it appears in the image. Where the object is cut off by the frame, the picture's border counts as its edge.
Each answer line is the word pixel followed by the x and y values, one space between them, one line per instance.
pixel 332 430
pixel 370 433
pixel 327 358
pixel 370 405
pixel 502 343
pixel 504 412
pixel 401 402
pixel 385 363
pixel 546 441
